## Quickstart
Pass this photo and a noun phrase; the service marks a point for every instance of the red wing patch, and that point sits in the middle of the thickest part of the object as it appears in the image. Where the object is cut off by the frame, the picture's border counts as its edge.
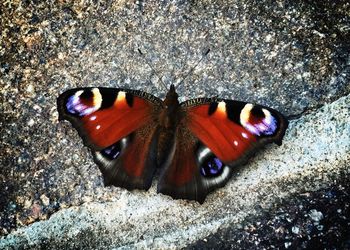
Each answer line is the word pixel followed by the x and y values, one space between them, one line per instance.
pixel 107 126
pixel 183 167
pixel 135 155
pixel 227 140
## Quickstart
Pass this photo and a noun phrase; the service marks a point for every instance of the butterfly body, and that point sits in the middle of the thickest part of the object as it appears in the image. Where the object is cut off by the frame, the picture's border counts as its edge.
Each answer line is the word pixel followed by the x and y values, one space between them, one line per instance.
pixel 195 146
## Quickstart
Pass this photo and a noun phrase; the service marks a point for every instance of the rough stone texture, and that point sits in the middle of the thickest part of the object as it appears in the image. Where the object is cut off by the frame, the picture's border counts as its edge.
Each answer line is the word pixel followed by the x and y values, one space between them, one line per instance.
pixel 290 55
pixel 311 220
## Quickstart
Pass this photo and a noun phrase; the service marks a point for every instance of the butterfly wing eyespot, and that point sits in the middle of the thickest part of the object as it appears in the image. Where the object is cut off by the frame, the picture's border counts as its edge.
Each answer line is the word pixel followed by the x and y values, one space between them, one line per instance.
pixel 115 150
pixel 116 124
pixel 210 165
pixel 258 120
pixel 84 102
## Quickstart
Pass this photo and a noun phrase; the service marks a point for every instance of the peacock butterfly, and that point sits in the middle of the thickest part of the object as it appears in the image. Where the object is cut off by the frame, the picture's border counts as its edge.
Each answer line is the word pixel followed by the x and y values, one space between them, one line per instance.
pixel 196 145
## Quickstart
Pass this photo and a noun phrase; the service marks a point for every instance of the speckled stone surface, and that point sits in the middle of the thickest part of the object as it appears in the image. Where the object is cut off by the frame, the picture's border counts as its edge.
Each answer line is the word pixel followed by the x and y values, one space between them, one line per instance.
pixel 290 55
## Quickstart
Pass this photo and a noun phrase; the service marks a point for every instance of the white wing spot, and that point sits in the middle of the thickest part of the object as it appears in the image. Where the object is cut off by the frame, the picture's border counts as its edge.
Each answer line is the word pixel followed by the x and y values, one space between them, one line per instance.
pixel 121 96
pixel 268 116
pixel 78 93
pixel 245 113
pixel 236 143
pixel 245 135
pixel 203 153
pixel 98 126
pixel 221 107
pixel 93 118
pixel 97 98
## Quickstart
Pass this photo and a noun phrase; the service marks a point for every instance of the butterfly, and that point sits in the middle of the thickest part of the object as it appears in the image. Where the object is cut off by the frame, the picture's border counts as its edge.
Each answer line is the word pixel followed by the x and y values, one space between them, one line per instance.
pixel 194 147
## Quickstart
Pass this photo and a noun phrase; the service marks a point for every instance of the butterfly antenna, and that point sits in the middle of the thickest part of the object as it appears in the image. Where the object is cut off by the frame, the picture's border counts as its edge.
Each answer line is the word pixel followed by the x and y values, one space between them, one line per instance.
pixel 193 68
pixel 155 72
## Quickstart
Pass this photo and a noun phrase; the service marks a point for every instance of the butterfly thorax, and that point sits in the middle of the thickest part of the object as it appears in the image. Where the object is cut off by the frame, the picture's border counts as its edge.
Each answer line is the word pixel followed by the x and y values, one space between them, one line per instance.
pixel 171 114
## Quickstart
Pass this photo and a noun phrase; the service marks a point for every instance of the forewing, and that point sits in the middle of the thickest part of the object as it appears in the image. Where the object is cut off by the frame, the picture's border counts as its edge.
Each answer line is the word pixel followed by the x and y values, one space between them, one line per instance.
pixel 234 129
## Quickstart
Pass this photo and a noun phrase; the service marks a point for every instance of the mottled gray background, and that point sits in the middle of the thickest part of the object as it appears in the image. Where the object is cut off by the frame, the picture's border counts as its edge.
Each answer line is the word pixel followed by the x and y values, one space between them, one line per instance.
pixel 291 55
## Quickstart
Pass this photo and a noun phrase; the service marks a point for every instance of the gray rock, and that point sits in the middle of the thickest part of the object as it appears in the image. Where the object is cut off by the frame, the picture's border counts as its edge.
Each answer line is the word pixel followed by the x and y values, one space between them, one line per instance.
pixel 291 56
pixel 315 215
pixel 295 230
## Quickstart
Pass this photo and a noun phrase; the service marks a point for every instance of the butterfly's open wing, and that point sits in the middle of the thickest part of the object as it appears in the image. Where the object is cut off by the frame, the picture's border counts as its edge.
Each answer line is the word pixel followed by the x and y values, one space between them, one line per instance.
pixel 214 138
pixel 119 126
